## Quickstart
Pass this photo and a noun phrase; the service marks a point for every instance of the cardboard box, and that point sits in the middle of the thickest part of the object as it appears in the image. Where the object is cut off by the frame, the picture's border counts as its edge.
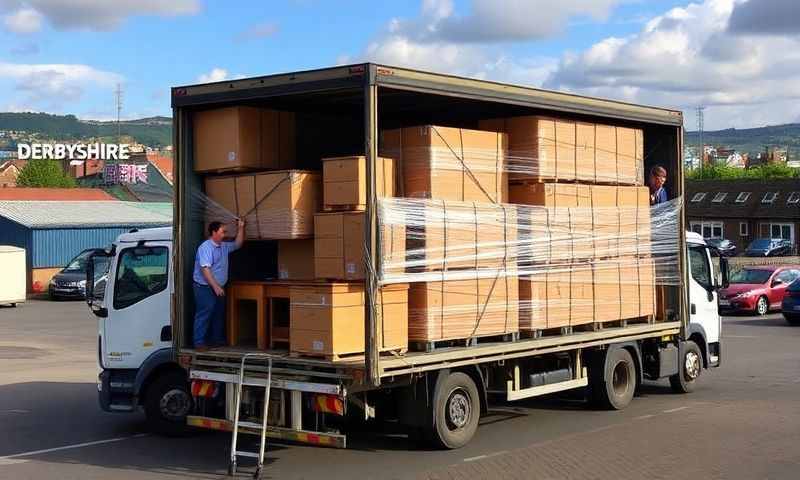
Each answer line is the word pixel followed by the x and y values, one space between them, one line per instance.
pixel 605 154
pixel 606 282
pixel 339 245
pixel 634 225
pixel 569 216
pixel 605 220
pixel 585 152
pixel 328 320
pixel 296 259
pixel 540 148
pixel 455 235
pixel 242 138
pixel 448 163
pixel 557 296
pixel 345 181
pixel 628 170
pixel 275 205
pixel 460 309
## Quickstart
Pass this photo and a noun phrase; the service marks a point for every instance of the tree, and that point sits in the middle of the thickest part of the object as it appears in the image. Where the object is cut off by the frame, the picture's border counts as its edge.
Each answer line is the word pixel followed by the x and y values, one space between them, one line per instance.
pixel 44 173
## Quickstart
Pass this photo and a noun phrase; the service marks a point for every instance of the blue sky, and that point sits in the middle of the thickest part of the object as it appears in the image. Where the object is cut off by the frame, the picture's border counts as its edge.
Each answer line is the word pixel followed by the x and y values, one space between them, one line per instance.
pixel 61 60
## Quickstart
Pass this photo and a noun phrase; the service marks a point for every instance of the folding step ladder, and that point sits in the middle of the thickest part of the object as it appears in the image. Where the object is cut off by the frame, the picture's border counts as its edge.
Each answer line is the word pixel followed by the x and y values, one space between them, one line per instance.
pixel 259 456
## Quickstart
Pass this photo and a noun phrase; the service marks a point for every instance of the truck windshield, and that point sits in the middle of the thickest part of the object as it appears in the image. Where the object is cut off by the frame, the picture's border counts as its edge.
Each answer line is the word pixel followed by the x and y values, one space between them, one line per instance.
pixel 140 274
pixel 751 276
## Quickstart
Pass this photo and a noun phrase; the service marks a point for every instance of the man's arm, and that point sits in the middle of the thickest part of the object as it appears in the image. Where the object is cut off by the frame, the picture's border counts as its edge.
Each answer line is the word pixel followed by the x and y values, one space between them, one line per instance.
pixel 240 235
pixel 212 282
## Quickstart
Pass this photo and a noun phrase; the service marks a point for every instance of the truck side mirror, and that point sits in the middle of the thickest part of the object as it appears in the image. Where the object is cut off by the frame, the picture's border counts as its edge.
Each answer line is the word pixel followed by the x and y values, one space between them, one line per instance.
pixel 723 270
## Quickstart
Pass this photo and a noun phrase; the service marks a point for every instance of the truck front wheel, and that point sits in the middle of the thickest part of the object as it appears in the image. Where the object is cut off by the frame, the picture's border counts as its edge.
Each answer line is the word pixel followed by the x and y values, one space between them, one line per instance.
pixel 457 409
pixel 691 364
pixel 167 402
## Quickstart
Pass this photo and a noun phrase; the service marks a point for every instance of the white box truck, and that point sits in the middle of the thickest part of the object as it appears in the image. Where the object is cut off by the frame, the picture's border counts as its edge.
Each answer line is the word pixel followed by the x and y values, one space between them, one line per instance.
pixel 12 280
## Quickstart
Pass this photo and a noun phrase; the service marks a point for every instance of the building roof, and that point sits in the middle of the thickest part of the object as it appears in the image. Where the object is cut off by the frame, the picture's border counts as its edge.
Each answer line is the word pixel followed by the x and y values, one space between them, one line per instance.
pixel 163 164
pixel 749 206
pixel 57 194
pixel 83 214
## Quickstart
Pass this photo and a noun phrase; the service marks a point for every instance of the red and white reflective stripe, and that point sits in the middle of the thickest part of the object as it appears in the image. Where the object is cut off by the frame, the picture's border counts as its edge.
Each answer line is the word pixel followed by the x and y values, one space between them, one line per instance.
pixel 204 388
pixel 328 404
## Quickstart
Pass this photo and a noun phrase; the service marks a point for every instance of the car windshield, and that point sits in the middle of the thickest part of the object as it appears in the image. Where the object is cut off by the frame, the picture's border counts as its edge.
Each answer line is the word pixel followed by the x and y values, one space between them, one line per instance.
pixel 747 275
pixel 78 264
pixel 795 286
pixel 761 244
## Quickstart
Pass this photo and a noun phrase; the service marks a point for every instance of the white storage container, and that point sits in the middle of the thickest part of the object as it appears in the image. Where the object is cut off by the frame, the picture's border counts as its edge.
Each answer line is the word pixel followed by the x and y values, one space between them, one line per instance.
pixel 12 279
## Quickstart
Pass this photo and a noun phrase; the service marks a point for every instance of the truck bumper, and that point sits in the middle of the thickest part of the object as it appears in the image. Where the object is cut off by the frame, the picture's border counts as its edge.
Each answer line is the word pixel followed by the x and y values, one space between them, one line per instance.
pixel 115 391
pixel 318 439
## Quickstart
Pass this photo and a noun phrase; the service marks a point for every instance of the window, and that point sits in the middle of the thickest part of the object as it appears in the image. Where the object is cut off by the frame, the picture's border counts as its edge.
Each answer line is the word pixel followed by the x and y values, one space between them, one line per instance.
pixel 698 262
pixel 743 229
pixel 769 197
pixel 708 229
pixel 794 197
pixel 720 197
pixel 141 273
pixel 788 276
pixel 742 197
pixel 698 197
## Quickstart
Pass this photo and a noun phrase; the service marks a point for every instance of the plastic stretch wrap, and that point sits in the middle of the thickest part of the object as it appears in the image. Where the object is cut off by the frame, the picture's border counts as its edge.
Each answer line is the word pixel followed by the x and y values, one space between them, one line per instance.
pixel 478 269
pixel 274 205
pixel 476 165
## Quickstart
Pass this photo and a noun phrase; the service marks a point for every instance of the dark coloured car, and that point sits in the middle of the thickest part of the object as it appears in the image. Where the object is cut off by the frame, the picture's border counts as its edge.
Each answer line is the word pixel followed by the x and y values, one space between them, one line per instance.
pixel 769 247
pixel 725 247
pixel 791 303
pixel 70 282
pixel 757 289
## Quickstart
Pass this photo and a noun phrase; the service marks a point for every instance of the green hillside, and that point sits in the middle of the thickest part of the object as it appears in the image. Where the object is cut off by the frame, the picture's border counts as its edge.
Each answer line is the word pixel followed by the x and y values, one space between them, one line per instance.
pixel 153 131
pixel 752 140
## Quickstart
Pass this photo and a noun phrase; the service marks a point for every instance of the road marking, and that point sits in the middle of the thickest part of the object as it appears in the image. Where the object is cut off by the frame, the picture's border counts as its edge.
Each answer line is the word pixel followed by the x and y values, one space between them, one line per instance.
pixel 644 417
pixel 12 459
pixel 673 410
pixel 488 455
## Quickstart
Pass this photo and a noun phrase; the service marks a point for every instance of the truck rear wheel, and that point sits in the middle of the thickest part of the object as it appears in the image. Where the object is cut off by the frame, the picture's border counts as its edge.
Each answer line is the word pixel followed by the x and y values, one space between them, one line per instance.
pixel 612 379
pixel 691 364
pixel 457 410
pixel 167 402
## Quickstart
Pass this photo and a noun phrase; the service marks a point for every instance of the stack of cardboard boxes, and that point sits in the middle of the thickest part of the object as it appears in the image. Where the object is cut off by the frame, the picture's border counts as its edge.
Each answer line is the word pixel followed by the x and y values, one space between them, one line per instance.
pixel 246 156
pixel 527 224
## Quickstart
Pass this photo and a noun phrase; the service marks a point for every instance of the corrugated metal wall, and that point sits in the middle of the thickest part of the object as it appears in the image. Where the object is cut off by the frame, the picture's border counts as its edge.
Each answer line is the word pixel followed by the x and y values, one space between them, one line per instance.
pixel 56 247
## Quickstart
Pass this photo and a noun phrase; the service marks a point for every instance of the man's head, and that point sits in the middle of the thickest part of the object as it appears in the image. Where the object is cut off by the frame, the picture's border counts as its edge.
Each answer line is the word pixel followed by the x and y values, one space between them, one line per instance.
pixel 658 177
pixel 216 231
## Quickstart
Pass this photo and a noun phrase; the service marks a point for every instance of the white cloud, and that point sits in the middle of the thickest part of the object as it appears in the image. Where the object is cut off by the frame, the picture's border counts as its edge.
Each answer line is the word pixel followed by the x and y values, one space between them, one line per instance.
pixel 215 75
pixel 498 21
pixel 687 57
pixel 53 85
pixel 102 15
pixel 24 20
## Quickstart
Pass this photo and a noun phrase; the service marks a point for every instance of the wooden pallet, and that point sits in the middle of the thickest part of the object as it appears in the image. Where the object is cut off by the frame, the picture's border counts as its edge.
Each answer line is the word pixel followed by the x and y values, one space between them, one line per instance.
pixel 360 207
pixel 336 357
pixel 433 345
pixel 586 327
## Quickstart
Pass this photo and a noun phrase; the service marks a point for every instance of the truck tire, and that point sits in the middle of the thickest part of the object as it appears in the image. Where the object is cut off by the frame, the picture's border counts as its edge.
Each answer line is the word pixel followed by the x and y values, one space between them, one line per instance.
pixel 612 379
pixel 457 410
pixel 167 402
pixel 690 364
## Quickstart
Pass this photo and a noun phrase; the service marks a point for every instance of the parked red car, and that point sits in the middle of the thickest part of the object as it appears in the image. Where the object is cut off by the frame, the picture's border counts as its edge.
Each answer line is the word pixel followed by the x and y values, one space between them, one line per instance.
pixel 757 289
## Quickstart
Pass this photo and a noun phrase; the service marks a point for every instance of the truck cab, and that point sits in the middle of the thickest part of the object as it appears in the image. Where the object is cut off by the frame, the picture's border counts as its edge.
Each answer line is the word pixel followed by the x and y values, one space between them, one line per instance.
pixel 135 353
pixel 705 324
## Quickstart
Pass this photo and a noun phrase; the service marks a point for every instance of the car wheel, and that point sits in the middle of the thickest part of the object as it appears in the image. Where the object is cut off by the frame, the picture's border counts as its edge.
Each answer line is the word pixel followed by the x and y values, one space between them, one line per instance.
pixel 762 306
pixel 691 365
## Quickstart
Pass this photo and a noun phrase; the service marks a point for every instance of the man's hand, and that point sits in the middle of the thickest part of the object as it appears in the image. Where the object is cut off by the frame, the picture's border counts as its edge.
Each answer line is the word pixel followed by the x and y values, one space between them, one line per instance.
pixel 219 291
pixel 240 233
pixel 241 223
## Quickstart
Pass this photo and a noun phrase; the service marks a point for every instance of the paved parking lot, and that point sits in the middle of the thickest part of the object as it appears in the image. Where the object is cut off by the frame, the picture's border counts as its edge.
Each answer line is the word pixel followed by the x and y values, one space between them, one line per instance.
pixel 743 422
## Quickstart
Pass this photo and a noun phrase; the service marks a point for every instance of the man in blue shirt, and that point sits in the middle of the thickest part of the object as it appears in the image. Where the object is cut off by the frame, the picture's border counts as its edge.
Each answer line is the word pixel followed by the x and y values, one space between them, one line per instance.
pixel 658 177
pixel 210 276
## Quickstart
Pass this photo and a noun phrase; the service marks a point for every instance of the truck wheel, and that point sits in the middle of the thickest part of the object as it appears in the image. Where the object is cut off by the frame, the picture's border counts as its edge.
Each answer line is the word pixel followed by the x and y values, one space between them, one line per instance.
pixel 457 409
pixel 612 379
pixel 762 306
pixel 691 364
pixel 166 404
